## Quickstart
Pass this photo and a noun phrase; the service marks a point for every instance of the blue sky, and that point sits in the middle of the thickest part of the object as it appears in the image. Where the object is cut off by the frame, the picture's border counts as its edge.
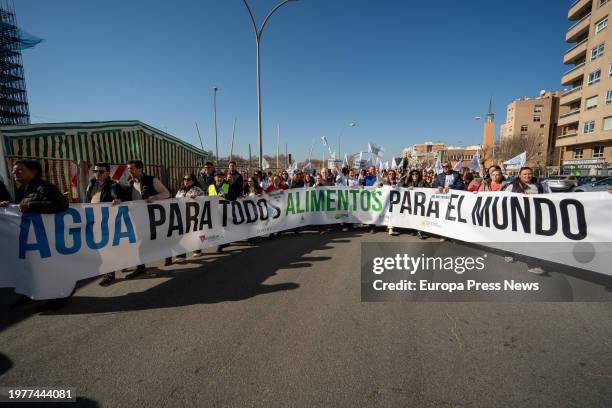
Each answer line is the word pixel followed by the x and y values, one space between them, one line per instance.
pixel 405 71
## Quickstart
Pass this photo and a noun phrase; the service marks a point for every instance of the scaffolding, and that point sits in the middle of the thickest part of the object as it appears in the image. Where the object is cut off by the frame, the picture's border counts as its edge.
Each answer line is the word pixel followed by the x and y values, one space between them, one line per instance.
pixel 13 97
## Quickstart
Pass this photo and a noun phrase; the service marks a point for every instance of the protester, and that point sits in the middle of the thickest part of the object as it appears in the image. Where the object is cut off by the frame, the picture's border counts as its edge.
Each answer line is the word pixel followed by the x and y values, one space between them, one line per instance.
pixel 33 194
pixel 526 183
pixel 327 178
pixel 220 187
pixel 234 178
pixel 414 180
pixel 369 180
pixel 342 178
pixel 103 189
pixel 38 196
pixel 308 180
pixel 276 186
pixel 253 188
pixel 191 189
pixel 449 179
pixel 147 188
pixel 206 176
pixel 352 180
pixel 496 181
pixel 471 183
pixel 296 180
pixel 429 180
pixel 284 178
pixel 393 182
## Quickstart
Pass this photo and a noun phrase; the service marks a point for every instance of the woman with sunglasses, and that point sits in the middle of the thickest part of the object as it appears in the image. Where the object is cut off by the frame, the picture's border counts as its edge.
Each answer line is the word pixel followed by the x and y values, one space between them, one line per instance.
pixel 190 188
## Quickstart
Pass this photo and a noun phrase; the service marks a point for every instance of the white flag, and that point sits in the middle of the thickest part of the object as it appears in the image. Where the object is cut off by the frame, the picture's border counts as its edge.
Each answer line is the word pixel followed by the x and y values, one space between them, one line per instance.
pixel 264 164
pixel 345 163
pixel 438 166
pixel 517 161
pixel 458 165
pixel 474 165
pixel 393 164
pixel 376 149
pixel 307 167
pixel 324 140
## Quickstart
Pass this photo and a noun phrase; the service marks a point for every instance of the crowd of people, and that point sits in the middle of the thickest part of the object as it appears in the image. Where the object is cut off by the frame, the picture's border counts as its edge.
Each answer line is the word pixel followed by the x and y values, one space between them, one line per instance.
pixel 33 194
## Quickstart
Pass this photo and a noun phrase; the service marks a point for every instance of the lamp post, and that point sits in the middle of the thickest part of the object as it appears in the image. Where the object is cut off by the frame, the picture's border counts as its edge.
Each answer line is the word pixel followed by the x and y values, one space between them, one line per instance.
pixel 352 124
pixel 215 90
pixel 258 32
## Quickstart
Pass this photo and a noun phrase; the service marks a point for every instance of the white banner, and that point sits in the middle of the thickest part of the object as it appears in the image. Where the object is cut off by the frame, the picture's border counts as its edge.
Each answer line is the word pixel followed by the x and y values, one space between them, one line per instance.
pixel 45 255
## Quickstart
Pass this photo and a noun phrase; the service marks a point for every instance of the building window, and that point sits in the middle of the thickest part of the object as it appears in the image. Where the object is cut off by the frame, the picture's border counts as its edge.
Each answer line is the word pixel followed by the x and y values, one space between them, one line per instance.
pixel 610 70
pixel 607 123
pixel 591 102
pixel 601 25
pixel 602 2
pixel 588 127
pixel 609 97
pixel 537 118
pixel 598 151
pixel 578 153
pixel 524 128
pixel 597 51
pixel 594 77
pixel 538 108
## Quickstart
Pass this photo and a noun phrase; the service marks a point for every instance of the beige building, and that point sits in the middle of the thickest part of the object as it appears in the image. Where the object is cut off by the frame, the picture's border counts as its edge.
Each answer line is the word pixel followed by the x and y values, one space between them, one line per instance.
pixel 585 131
pixel 531 125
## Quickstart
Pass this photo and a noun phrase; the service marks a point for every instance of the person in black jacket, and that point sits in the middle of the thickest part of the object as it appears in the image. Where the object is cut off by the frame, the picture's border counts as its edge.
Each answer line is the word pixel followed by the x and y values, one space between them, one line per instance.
pixel 33 194
pixel 236 188
pixel 103 189
pixel 4 194
pixel 235 191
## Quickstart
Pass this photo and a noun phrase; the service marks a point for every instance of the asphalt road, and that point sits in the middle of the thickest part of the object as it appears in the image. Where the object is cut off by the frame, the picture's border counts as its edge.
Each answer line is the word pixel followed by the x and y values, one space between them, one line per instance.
pixel 282 324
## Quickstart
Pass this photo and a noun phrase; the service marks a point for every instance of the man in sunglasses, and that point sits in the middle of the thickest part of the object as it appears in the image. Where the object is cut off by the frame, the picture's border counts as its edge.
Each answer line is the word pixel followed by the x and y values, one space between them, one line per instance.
pixel 448 180
pixel 103 189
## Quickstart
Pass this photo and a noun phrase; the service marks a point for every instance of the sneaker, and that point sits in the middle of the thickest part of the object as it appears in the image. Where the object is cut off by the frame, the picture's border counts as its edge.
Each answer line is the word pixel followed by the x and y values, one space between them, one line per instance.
pixel 168 262
pixel 443 239
pixel 421 236
pixel 180 259
pixel 508 259
pixel 538 270
pixel 344 229
pixel 140 270
pixel 372 230
pixel 107 280
pixel 390 231
pixel 198 254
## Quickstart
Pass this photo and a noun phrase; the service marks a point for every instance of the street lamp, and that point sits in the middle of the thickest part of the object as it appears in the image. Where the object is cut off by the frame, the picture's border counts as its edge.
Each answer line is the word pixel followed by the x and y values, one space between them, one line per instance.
pixel 258 33
pixel 352 124
pixel 215 89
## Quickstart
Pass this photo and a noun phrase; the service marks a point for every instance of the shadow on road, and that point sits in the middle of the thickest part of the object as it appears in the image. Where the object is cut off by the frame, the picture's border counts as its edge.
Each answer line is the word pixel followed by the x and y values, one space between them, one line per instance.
pixel 237 274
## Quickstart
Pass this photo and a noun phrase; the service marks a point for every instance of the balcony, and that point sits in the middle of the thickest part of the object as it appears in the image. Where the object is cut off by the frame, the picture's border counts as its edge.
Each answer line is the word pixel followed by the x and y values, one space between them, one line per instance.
pixel 579 28
pixel 568 97
pixel 577 8
pixel 569 118
pixel 577 52
pixel 573 74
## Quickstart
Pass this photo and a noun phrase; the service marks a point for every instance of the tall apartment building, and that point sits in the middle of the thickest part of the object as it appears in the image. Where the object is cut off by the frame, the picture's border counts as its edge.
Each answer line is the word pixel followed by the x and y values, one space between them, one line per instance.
pixel 534 122
pixel 585 131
